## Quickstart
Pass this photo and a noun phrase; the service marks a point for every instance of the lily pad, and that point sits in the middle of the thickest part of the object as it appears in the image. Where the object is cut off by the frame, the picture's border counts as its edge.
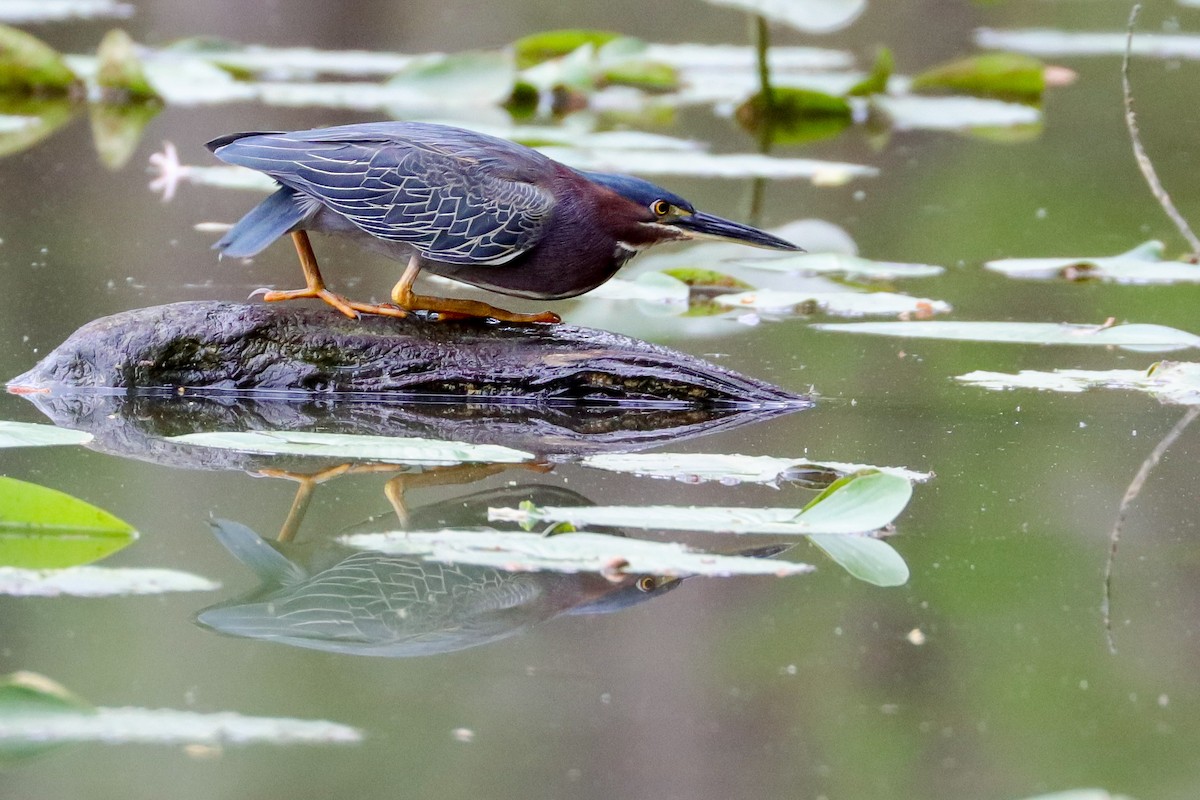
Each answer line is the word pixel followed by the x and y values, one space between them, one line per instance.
pixel 794 115
pixel 877 80
pixel 1137 337
pixel 1174 382
pixel 845 304
pixel 1011 75
pixel 569 552
pixel 650 287
pixel 913 112
pixel 841 264
pixel 859 504
pixel 729 468
pixel 30 434
pixel 539 47
pixel 870 560
pixel 42 528
pixel 1143 264
pixel 711 165
pixel 119 72
pixel 27 64
pixel 350 446
pixel 472 78
pixel 1049 42
pixel 20 11
pixel 99 582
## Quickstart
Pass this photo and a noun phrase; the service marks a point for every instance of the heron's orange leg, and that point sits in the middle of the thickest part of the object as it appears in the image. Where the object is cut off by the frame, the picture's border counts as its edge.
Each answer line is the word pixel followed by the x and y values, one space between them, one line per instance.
pixel 453 308
pixel 315 284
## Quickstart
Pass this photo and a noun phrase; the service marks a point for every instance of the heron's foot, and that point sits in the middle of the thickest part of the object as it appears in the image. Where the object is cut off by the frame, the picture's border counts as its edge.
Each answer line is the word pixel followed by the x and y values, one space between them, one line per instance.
pixel 380 309
pixel 314 292
pixel 448 308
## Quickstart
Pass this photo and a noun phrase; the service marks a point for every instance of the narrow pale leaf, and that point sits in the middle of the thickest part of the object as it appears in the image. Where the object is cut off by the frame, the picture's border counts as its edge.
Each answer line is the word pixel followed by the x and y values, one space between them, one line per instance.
pixel 727 468
pixel 349 446
pixel 569 552
pixel 1142 264
pixel 912 112
pixel 1048 42
pixel 23 11
pixel 846 304
pixel 98 582
pixel 810 16
pixel 1174 382
pixel 1142 338
pixel 841 264
pixel 30 434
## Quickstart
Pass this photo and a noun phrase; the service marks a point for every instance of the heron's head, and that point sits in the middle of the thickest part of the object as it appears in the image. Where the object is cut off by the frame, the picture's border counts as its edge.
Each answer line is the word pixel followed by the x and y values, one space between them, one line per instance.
pixel 650 214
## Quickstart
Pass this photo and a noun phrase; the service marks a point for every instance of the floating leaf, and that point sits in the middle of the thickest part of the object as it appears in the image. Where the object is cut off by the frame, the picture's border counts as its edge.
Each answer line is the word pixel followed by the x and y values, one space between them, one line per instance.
pixel 18 11
pixel 707 279
pixel 876 82
pixel 27 64
pixel 1175 382
pixel 859 504
pixel 728 467
pixel 1142 264
pixel 911 112
pixel 43 528
pixel 472 78
pixel 811 16
pixel 650 287
pixel 539 47
pixel 1010 75
pixel 841 264
pixel 720 165
pixel 1074 43
pixel 98 582
pixel 30 434
pixel 569 552
pixel 119 72
pixel 1080 794
pixel 845 303
pixel 36 711
pixel 396 449
pixel 287 63
pixel 1142 338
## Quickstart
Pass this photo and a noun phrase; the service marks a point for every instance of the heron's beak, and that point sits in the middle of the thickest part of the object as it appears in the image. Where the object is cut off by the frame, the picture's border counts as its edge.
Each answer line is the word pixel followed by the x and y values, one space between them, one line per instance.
pixel 711 227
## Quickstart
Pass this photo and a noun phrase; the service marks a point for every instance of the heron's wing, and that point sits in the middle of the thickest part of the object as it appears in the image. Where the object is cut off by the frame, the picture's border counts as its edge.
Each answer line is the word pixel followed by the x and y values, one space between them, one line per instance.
pixel 449 204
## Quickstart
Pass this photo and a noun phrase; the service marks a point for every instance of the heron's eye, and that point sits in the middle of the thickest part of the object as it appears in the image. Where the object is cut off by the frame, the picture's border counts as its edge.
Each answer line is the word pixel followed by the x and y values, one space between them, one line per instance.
pixel 660 208
pixel 646 583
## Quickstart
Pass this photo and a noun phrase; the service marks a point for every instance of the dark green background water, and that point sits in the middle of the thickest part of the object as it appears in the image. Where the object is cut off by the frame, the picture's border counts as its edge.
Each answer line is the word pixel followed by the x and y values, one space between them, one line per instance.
pixel 760 688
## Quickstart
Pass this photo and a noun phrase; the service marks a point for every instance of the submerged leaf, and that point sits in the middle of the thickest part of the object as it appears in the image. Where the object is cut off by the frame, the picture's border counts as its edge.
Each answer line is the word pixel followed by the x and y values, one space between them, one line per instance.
pixel 1142 338
pixel 841 264
pixel 1142 264
pixel 1175 382
pixel 569 552
pixel 990 74
pixel 27 64
pixel 30 434
pixel 350 446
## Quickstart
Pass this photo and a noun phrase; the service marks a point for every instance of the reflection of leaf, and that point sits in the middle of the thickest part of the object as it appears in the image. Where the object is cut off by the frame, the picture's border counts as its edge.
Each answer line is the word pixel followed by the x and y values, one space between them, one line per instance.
pixel 876 82
pixel 44 528
pixel 117 129
pixel 350 446
pixel 847 303
pixel 841 264
pixel 30 434
pixel 29 64
pixel 856 504
pixel 35 712
pixel 98 582
pixel 728 467
pixel 991 75
pixel 1142 264
pixel 871 560
pixel 1143 338
pixel 569 552
pixel 1175 382
pixel 794 116
pixel 25 121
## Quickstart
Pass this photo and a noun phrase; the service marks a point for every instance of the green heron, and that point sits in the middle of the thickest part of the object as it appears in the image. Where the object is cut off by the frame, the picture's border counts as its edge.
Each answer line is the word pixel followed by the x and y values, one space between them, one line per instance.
pixel 457 203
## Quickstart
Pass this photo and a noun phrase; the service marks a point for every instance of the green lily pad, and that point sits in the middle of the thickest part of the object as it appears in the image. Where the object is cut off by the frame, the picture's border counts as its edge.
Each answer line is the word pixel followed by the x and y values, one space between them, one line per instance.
pixel 795 115
pixel 539 47
pixel 119 73
pixel 27 64
pixel 707 278
pixel 1010 75
pixel 43 528
pixel 870 560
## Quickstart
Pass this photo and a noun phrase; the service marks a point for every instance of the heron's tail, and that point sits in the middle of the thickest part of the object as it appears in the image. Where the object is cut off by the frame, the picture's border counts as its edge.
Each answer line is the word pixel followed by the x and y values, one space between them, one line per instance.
pixel 265 223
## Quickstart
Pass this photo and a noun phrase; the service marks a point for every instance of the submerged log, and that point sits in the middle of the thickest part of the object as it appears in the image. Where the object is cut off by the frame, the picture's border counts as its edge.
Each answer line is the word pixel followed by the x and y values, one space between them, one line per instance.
pixel 215 348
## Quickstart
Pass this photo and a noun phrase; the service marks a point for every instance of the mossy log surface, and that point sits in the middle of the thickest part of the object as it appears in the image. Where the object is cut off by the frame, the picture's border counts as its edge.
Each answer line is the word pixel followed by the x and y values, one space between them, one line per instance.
pixel 294 350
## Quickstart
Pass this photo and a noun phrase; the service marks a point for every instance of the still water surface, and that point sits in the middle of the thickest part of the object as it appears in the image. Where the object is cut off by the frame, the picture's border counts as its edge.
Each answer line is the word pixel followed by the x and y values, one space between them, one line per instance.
pixel 812 686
